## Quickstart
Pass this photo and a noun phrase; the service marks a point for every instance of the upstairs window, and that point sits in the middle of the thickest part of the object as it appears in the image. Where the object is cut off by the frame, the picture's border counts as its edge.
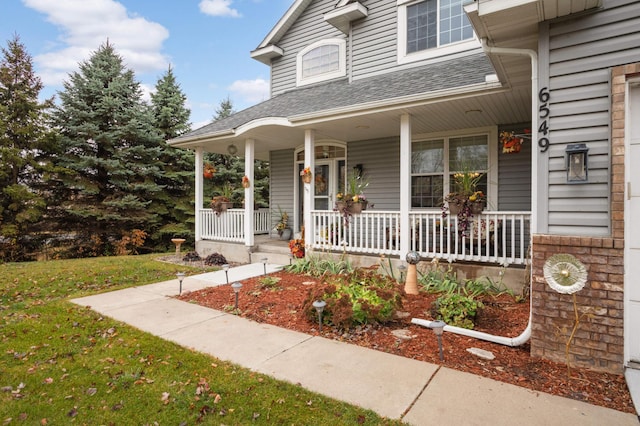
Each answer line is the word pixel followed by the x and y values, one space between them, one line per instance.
pixel 432 28
pixel 321 61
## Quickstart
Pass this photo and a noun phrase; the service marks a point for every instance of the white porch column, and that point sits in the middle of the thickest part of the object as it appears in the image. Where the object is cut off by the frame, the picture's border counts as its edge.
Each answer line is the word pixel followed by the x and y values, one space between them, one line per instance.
pixel 199 191
pixel 249 225
pixel 405 184
pixel 309 188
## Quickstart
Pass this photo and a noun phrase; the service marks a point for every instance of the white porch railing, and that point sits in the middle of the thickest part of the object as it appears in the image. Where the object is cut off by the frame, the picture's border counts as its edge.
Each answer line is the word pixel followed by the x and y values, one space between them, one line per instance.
pixel 492 237
pixel 229 225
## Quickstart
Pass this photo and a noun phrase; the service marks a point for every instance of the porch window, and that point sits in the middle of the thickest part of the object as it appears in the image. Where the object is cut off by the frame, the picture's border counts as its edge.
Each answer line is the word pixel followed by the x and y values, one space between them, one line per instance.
pixel 432 28
pixel 435 161
pixel 322 60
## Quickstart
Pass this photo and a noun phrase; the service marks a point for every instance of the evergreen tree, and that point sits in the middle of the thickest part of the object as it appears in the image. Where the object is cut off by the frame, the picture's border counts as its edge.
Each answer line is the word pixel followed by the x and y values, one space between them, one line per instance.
pixel 224 110
pixel 171 117
pixel 108 162
pixel 21 133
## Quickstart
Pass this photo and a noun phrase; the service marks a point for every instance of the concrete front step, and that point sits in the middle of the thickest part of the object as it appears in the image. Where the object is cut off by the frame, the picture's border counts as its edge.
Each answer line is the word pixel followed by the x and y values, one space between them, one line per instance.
pixel 277 258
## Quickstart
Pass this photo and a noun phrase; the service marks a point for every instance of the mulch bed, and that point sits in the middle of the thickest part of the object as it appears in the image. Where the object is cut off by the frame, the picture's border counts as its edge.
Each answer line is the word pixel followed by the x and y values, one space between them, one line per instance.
pixel 502 316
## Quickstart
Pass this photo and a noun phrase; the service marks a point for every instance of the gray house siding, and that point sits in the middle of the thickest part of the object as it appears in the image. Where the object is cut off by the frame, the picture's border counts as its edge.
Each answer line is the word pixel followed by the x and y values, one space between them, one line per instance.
pixel 309 28
pixel 580 54
pixel 374 40
pixel 514 175
pixel 281 184
pixel 371 46
pixel 381 163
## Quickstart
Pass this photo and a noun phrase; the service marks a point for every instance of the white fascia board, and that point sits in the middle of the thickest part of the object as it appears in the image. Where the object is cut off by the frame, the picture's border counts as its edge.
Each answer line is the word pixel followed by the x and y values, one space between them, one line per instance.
pixel 342 17
pixel 284 23
pixel 187 142
pixel 266 54
pixel 488 7
pixel 261 122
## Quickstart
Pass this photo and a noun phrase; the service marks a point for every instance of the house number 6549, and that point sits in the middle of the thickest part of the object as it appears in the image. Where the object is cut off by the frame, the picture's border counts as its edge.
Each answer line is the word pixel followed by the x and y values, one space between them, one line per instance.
pixel 543 129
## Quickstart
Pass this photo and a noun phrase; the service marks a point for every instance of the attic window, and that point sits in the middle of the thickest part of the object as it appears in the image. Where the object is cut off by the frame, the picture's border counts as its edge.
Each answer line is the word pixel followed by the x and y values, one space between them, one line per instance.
pixel 321 61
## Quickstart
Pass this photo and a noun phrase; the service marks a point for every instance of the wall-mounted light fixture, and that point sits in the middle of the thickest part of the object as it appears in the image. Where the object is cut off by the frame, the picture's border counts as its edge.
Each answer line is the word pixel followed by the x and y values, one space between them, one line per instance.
pixel 577 163
pixel 232 149
pixel 358 169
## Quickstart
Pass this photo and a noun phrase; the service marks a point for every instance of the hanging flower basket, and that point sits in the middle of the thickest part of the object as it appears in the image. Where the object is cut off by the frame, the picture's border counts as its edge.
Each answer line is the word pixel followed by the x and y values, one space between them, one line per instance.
pixel 477 207
pixel 306 175
pixel 246 183
pixel 208 171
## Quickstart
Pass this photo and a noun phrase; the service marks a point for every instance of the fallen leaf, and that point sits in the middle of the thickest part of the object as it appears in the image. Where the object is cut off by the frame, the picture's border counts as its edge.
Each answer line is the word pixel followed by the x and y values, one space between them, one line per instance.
pixel 217 398
pixel 165 398
pixel 48 380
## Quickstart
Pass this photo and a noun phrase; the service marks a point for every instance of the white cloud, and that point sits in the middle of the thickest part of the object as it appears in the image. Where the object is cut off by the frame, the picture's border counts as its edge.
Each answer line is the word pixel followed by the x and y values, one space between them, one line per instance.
pixel 251 91
pixel 218 8
pixel 85 25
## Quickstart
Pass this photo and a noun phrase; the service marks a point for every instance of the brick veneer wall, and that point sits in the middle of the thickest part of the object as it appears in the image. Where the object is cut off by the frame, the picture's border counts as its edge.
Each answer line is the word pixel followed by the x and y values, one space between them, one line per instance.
pixel 599 341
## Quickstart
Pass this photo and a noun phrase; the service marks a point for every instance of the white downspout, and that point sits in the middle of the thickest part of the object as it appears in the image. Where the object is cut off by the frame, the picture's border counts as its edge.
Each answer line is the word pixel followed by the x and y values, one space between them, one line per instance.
pixel 526 334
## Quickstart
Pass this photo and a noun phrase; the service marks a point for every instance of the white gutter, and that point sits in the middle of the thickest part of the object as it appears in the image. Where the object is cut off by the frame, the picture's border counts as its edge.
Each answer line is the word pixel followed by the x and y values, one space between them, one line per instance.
pixel 526 334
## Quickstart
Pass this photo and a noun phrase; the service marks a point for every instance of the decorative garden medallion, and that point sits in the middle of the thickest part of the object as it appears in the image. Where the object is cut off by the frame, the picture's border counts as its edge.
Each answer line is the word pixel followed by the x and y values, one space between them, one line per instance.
pixel 564 273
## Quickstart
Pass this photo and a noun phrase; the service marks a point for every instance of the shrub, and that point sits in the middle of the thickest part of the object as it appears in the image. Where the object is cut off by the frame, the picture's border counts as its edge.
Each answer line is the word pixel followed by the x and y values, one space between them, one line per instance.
pixel 360 297
pixel 191 256
pixel 215 259
pixel 457 310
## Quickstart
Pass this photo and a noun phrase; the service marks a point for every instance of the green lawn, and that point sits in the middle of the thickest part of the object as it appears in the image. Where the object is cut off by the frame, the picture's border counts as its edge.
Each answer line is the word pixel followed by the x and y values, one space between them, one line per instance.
pixel 61 363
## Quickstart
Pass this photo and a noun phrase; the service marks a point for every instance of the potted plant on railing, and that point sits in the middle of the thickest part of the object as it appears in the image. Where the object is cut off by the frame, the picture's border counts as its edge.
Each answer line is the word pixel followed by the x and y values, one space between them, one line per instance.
pixel 466 201
pixel 220 203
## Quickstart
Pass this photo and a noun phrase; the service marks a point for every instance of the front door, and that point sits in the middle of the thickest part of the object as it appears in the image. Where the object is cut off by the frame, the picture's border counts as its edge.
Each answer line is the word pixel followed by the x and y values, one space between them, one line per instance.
pixel 632 231
pixel 328 176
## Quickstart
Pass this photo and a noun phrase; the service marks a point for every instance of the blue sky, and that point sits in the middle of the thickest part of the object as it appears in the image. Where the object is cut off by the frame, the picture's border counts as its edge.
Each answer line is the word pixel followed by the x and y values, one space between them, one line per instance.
pixel 206 42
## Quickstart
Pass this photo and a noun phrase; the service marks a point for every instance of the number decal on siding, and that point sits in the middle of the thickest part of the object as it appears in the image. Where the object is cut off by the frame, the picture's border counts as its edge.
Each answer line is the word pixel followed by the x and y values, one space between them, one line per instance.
pixel 544 111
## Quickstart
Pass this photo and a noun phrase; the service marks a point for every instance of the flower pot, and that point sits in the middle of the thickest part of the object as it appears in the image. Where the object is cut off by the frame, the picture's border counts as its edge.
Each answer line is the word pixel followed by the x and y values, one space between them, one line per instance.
pixel 306 178
pixel 455 207
pixel 246 184
pixel 477 207
pixel 340 205
pixel 286 234
pixel 355 208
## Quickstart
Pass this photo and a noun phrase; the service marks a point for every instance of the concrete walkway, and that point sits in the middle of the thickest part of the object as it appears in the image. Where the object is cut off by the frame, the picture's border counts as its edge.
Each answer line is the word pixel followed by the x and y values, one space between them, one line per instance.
pixel 417 392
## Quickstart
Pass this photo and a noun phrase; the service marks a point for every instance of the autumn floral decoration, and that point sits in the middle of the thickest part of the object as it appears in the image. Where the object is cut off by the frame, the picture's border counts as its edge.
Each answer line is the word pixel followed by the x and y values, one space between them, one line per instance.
pixel 246 183
pixel 306 175
pixel 512 142
pixel 297 248
pixel 208 171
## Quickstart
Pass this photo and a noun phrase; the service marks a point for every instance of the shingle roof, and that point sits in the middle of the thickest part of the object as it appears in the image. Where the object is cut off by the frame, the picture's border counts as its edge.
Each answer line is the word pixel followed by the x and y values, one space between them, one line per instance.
pixel 467 70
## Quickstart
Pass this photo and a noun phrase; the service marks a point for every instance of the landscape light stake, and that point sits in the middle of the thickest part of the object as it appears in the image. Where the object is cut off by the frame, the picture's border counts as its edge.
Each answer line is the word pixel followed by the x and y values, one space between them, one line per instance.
pixel 402 268
pixel 438 329
pixel 290 258
pixel 319 305
pixel 264 263
pixel 225 267
pixel 236 289
pixel 180 276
